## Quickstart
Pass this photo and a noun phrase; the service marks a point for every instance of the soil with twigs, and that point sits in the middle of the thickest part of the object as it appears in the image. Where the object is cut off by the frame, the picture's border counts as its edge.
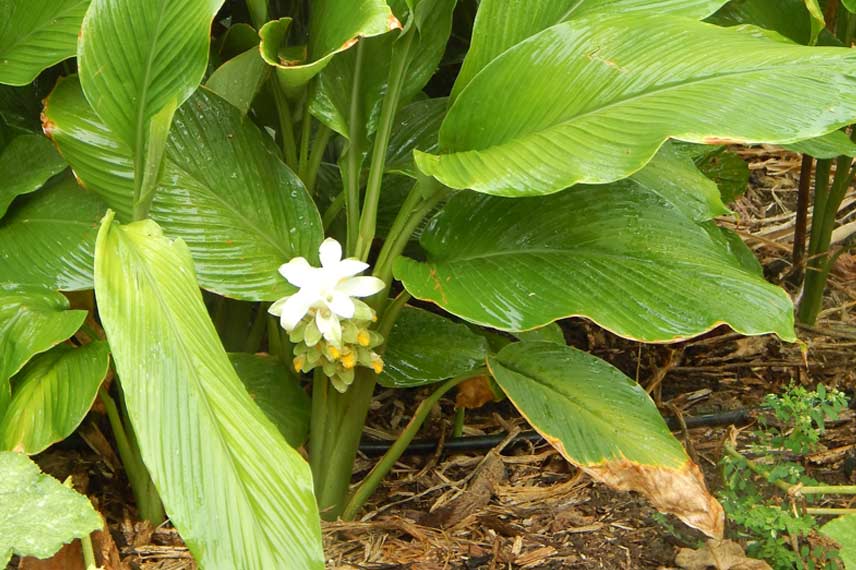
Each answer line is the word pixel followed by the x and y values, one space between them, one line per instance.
pixel 520 505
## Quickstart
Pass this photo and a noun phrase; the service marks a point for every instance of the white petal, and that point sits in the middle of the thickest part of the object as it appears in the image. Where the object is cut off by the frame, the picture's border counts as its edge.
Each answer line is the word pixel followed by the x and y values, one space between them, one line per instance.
pixel 297 271
pixel 341 305
pixel 294 309
pixel 330 253
pixel 360 286
pixel 349 267
pixel 329 327
pixel 276 307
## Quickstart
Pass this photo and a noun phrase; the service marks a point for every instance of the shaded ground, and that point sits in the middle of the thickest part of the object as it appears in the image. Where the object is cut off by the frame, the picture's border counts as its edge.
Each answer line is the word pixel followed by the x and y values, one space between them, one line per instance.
pixel 522 506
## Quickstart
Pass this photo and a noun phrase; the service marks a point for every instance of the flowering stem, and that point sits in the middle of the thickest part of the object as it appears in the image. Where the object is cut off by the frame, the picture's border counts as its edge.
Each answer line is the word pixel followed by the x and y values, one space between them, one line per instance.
pixel 395 81
pixel 368 485
pixel 354 154
pixel 286 125
pixel 322 136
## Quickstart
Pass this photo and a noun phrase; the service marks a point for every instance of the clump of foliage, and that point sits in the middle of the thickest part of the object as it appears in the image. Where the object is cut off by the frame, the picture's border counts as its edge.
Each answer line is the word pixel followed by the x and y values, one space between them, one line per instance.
pixel 762 495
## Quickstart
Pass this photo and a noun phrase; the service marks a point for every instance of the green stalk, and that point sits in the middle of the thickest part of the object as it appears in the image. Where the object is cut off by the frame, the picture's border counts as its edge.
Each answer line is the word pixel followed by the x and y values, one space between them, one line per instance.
pixel 145 494
pixel 354 158
pixel 827 490
pixel 829 511
pixel 88 553
pixel 336 426
pixel 368 485
pixel 305 136
pixel 395 82
pixel 333 210
pixel 458 426
pixel 319 145
pixel 286 125
pixel 257 330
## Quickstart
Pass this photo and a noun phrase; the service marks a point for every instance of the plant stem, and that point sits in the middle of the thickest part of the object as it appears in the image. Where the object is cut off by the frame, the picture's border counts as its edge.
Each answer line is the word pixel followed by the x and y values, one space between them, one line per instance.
pixel 827 490
pixel 395 82
pixel 333 210
pixel 336 426
pixel 319 145
pixel 801 225
pixel 829 511
pixel 390 314
pixel 286 125
pixel 145 494
pixel 305 136
pixel 757 469
pixel 257 330
pixel 88 553
pixel 458 426
pixel 368 485
pixel 354 154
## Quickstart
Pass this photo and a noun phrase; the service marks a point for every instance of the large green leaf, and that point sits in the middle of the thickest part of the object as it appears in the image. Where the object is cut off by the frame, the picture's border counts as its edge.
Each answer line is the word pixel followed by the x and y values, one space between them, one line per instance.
pixel 843 531
pixel 32 320
pixel 38 514
pixel 136 58
pixel 416 128
pixel 334 26
pixel 48 238
pixel 239 79
pixel 26 163
pixel 210 450
pixel 332 100
pixel 592 100
pixel 502 24
pixel 790 18
pixel 223 189
pixel 36 34
pixel 605 423
pixel 52 395
pixel 276 392
pixel 424 348
pixel 617 254
pixel 832 145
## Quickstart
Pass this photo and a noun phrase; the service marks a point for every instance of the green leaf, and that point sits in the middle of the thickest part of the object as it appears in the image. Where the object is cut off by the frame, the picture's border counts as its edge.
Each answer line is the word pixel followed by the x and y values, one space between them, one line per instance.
pixel 416 128
pixel 332 100
pixel 831 145
pixel 223 189
pixel 334 26
pixel 850 5
pixel 239 79
pixel 208 447
pixel 38 514
pixel 843 531
pixel 26 164
pixel 48 237
pixel 726 169
pixel 32 320
pixel 527 126
pixel 605 423
pixel 790 18
pixel 502 24
pixel 35 35
pixel 136 58
pixel 52 395
pixel 276 392
pixel 20 108
pixel 617 254
pixel 548 333
pixel 818 22
pixel 423 348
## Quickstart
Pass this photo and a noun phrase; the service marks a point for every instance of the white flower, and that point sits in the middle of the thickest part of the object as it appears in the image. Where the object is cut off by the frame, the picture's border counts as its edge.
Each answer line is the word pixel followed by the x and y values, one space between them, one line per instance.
pixel 326 291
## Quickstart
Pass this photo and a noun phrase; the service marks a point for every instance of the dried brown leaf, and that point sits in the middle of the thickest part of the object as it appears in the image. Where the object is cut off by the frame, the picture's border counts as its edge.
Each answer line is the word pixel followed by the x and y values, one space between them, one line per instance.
pixel 718 555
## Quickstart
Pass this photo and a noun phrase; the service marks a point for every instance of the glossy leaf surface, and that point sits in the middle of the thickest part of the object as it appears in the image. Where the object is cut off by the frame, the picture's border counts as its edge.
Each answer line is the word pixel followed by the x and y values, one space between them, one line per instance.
pixel 38 514
pixel 502 24
pixel 52 395
pixel 135 58
pixel 223 190
pixel 48 238
pixel 36 34
pixel 417 127
pixel 790 18
pixel 239 79
pixel 26 163
pixel 424 348
pixel 208 447
pixel 32 320
pixel 617 254
pixel 603 422
pixel 276 392
pixel 832 145
pixel 334 26
pixel 524 126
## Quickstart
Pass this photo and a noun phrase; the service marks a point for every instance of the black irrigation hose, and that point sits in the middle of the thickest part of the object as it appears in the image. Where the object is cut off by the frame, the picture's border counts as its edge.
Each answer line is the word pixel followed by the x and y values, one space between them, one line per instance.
pixel 374 448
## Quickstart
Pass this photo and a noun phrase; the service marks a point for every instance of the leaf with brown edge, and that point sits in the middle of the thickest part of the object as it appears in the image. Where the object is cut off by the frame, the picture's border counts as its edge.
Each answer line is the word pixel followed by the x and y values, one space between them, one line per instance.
pixel 606 424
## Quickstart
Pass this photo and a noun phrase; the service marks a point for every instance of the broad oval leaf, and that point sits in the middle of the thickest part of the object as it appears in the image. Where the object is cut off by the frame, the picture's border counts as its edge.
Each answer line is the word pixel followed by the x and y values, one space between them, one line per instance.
pixel 334 26
pixel 136 58
pixel 223 189
pixel 832 145
pixel 52 395
pixel 36 34
pixel 423 348
pixel 592 101
pixel 38 514
pixel 606 424
pixel 416 128
pixel 239 79
pixel 843 531
pixel 26 163
pixel 48 238
pixel 276 392
pixel 32 320
pixel 209 449
pixel 616 254
pixel 502 24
